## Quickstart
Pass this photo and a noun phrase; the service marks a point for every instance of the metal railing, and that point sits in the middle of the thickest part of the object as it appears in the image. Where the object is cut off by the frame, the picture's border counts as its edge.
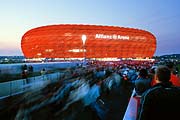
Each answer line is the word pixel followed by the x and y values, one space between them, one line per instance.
pixel 15 87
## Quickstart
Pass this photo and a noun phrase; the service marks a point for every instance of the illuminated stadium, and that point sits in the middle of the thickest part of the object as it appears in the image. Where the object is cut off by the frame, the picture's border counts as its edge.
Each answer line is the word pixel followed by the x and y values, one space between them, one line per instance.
pixel 66 41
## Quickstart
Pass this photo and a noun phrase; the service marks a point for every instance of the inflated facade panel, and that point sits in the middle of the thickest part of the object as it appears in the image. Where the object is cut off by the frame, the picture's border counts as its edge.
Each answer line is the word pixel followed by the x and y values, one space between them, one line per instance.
pixel 65 41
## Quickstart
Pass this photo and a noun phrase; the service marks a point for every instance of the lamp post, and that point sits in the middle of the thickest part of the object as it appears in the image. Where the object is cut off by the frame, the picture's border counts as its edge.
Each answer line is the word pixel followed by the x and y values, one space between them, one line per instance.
pixel 83 37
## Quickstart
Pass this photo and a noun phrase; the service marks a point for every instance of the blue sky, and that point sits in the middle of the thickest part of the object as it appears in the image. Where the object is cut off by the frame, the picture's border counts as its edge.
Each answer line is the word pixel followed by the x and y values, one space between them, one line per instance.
pixel 160 17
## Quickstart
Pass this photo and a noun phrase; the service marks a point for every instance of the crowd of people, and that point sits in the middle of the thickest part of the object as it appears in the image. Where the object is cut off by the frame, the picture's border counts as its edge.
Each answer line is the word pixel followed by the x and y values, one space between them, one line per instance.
pixel 81 88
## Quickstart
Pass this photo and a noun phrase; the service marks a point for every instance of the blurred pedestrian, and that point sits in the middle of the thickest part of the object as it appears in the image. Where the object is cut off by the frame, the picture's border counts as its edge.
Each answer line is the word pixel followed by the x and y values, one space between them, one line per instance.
pixel 43 71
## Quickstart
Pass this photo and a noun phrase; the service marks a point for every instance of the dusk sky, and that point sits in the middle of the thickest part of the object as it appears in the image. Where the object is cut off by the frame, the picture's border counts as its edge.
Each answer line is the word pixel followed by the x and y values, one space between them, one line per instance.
pixel 160 17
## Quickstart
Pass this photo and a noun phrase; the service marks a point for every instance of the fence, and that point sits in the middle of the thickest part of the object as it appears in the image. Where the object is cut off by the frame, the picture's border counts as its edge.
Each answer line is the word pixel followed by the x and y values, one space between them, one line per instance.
pixel 19 86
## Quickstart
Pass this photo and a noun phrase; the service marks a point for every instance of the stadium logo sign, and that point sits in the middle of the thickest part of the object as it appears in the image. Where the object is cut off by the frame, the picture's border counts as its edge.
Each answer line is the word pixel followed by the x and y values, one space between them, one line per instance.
pixel 114 36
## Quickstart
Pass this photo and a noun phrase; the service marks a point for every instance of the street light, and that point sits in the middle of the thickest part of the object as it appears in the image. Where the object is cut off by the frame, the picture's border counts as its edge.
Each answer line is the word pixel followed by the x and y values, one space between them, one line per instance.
pixel 83 37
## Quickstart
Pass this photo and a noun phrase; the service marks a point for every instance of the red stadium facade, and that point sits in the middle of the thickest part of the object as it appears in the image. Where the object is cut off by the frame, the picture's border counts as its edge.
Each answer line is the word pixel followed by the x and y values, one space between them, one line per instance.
pixel 65 41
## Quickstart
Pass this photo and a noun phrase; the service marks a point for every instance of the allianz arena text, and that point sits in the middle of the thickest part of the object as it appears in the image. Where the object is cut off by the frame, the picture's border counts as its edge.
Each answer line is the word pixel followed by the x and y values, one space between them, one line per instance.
pixel 92 41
